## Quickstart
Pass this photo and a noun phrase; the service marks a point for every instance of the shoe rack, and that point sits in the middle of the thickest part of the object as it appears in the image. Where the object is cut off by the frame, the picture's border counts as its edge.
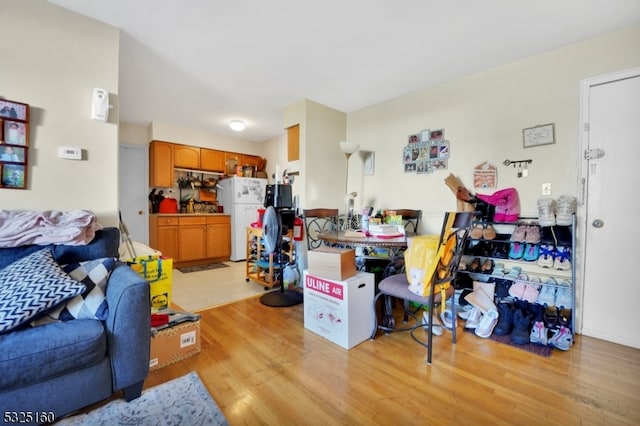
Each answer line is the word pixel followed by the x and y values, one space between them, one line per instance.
pixel 264 268
pixel 526 261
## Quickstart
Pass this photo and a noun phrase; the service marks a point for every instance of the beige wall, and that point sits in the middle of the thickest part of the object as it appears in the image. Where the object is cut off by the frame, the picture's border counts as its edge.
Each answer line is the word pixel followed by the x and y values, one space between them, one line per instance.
pixel 52 59
pixel 483 116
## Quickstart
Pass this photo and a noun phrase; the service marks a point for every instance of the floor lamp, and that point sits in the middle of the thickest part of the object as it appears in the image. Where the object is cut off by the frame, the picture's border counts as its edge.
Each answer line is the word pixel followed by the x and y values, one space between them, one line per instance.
pixel 348 148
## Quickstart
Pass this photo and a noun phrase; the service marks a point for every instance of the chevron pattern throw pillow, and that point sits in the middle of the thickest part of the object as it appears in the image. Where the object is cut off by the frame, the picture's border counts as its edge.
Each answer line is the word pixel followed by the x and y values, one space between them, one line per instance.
pixel 92 303
pixel 33 285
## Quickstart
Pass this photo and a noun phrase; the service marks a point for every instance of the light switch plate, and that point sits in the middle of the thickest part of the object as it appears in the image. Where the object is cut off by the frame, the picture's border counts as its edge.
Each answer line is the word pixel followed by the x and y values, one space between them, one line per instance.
pixel 546 189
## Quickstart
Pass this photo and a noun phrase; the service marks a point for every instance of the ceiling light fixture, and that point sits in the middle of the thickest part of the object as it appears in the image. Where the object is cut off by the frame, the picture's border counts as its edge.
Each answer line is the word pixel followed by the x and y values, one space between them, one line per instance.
pixel 237 125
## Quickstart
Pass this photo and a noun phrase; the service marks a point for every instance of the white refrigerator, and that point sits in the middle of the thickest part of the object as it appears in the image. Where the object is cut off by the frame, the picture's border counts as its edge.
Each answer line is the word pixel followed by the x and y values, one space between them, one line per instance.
pixel 241 198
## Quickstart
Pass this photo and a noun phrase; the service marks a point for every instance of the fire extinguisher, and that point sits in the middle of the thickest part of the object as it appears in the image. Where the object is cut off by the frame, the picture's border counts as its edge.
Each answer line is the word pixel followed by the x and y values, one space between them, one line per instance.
pixel 298 229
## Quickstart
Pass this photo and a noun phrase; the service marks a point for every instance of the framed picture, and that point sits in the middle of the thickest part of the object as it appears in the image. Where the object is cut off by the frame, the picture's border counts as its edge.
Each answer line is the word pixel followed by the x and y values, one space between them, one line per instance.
pixel 15 133
pixel 443 149
pixel 13 176
pixel 437 135
pixel 414 138
pixel 12 154
pixel 543 134
pixel 12 109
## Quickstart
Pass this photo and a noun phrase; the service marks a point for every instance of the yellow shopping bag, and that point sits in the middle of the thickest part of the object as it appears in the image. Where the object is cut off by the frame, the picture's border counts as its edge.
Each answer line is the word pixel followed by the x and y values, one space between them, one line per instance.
pixel 158 272
pixel 428 258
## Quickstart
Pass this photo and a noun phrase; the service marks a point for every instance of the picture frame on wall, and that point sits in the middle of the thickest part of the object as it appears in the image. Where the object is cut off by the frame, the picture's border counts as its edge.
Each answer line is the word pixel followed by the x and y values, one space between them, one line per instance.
pixel 15 132
pixel 543 134
pixel 13 176
pixel 13 154
pixel 13 109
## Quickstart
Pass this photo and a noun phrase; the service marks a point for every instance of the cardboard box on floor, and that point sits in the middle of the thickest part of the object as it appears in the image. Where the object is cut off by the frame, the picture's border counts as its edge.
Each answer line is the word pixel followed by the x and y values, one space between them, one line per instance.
pixel 175 343
pixel 340 311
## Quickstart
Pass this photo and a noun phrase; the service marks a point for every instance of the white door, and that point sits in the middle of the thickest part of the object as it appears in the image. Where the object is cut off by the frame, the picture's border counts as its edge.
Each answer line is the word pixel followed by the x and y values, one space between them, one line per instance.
pixel 133 191
pixel 611 111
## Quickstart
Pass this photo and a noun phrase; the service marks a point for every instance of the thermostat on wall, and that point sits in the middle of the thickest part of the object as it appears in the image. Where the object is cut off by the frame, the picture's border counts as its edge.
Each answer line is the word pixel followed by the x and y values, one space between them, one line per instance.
pixel 70 152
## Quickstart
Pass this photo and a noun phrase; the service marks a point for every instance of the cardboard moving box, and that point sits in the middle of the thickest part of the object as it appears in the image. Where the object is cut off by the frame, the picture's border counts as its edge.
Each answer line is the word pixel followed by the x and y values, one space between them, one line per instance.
pixel 175 343
pixel 340 311
pixel 332 263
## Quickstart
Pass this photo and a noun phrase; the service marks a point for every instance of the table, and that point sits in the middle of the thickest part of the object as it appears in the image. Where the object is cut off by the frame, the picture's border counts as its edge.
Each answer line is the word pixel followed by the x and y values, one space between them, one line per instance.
pixel 368 248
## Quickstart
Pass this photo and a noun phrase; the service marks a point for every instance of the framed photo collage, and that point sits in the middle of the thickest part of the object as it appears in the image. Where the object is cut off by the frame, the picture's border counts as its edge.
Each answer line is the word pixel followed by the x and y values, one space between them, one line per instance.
pixel 14 144
pixel 426 152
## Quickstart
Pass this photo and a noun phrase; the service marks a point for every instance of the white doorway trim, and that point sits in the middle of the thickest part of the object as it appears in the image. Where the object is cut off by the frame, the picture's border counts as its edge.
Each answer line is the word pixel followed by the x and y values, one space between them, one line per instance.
pixel 580 255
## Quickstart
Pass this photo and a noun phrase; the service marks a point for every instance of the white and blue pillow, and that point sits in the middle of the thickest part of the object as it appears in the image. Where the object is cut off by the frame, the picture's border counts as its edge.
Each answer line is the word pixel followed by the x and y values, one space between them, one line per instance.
pixel 33 285
pixel 92 303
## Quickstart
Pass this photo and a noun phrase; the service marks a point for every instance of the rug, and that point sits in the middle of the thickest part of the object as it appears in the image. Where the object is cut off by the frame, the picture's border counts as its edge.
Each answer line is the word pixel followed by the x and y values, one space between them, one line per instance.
pixel 529 347
pixel 182 401
pixel 199 268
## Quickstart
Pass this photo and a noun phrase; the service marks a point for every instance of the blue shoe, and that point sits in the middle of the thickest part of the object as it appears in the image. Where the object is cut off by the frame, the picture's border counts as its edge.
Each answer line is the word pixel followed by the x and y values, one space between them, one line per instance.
pixel 531 252
pixel 516 251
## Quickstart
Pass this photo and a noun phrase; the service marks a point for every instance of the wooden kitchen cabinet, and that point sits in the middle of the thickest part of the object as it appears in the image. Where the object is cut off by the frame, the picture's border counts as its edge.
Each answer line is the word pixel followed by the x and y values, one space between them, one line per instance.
pixel 212 160
pixel 163 235
pixel 192 238
pixel 161 164
pixel 186 156
pixel 218 236
pixel 250 160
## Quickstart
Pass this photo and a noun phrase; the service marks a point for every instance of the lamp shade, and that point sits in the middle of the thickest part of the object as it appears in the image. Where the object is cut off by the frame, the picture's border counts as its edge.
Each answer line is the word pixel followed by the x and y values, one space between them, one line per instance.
pixel 349 147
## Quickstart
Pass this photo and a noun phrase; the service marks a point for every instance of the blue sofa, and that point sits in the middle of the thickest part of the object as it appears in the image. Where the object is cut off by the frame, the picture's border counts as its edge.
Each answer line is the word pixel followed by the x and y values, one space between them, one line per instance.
pixel 65 366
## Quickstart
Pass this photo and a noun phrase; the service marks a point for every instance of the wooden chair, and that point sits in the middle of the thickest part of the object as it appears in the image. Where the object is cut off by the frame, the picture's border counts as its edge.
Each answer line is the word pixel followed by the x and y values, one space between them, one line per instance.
pixel 397 286
pixel 410 219
pixel 317 221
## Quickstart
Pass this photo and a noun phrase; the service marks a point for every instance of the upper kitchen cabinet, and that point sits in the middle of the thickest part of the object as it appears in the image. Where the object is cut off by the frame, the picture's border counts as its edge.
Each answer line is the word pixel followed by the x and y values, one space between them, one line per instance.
pixel 186 156
pixel 250 160
pixel 212 160
pixel 160 164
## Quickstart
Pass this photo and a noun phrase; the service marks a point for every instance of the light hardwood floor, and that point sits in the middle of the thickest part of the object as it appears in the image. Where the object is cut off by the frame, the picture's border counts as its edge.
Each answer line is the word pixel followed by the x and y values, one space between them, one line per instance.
pixel 262 367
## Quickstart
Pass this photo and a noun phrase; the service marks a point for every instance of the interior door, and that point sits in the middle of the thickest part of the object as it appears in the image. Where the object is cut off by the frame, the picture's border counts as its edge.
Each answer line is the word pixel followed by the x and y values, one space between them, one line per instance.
pixel 611 109
pixel 133 191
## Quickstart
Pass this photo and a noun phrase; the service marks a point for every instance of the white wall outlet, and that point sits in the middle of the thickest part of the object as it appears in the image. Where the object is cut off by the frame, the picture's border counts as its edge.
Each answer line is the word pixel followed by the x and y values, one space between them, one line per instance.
pixel 546 189
pixel 70 152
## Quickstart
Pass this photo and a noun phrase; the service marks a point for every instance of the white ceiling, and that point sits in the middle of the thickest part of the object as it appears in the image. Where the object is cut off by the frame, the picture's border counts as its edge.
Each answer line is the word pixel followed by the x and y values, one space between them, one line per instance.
pixel 201 63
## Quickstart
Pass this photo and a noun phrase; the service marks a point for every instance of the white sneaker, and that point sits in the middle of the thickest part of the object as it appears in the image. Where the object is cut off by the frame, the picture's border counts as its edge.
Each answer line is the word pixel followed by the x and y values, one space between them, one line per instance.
pixel 488 322
pixel 448 320
pixel 547 296
pixel 564 296
pixel 473 319
pixel 546 212
pixel 435 329
pixel 565 208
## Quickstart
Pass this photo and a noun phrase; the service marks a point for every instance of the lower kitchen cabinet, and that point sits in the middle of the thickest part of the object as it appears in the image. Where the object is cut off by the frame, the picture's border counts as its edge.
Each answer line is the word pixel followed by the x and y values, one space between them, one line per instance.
pixel 191 239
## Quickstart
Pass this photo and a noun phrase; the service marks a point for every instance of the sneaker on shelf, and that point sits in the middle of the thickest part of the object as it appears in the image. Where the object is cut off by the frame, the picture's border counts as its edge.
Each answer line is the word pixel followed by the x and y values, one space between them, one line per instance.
pixel 546 212
pixel 487 324
pixel 531 289
pixel 517 288
pixel 519 234
pixel 562 260
pixel 505 319
pixel 521 322
pixel 516 251
pixel 533 234
pixel 435 328
pixel 547 296
pixel 546 256
pixel 565 208
pixel 531 252
pixel 564 295
pixel 562 339
pixel 538 334
pixel 473 319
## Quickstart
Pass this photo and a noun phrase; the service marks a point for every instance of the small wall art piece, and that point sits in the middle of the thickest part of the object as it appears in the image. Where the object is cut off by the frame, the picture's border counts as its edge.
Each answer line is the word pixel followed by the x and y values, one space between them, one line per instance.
pixel 14 144
pixel 426 152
